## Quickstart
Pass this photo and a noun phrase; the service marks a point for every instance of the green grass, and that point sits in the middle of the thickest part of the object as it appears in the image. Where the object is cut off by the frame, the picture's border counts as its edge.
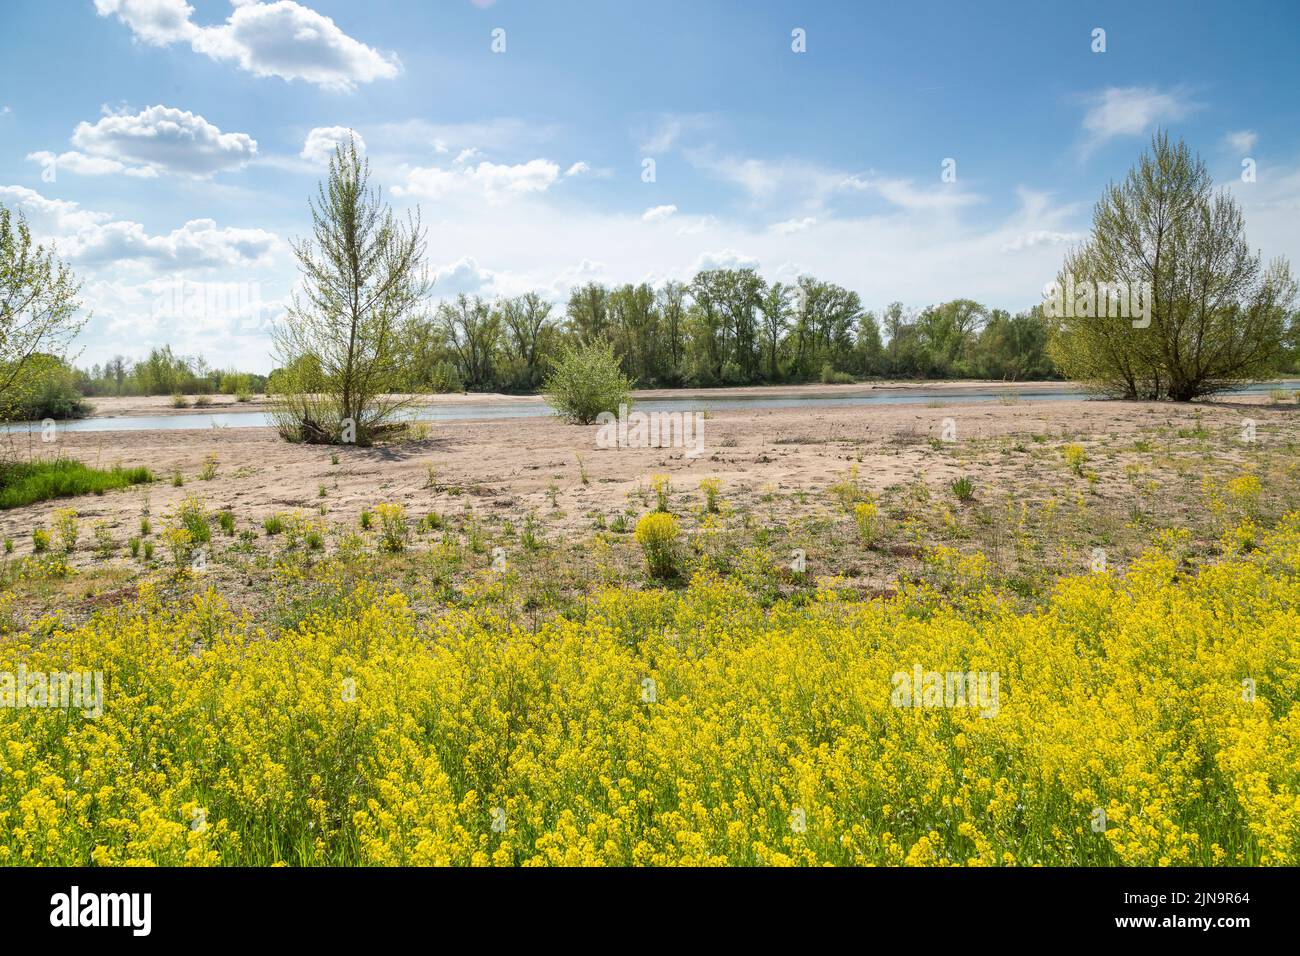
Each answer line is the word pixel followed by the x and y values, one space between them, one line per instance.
pixel 25 483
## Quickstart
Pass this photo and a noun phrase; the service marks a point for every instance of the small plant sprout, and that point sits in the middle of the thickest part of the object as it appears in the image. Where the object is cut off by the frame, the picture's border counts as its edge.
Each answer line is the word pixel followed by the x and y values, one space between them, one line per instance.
pixel 963 488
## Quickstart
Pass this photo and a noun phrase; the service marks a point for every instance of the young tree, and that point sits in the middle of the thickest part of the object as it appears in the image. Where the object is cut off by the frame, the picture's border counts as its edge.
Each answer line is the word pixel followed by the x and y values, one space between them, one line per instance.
pixel 363 281
pixel 38 311
pixel 1217 316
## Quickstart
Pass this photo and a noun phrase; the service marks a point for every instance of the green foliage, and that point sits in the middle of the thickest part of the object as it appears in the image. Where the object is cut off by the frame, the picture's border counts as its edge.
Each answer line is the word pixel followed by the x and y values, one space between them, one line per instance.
pixel 587 381
pixel 25 483
pixel 1215 319
pixel 340 342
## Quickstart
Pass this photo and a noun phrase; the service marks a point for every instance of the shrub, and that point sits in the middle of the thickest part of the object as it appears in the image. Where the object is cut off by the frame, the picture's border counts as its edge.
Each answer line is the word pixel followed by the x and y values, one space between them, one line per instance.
pixel 180 544
pixel 367 520
pixel 963 488
pixel 273 524
pixel 867 515
pixel 40 540
pixel 847 492
pixel 831 377
pixel 226 520
pixel 104 543
pixel 393 528
pixel 587 381
pixel 66 530
pixel 1075 458
pixel 193 517
pixel 657 534
pixel 711 487
pixel 662 486
pixel 209 469
pixel 53 395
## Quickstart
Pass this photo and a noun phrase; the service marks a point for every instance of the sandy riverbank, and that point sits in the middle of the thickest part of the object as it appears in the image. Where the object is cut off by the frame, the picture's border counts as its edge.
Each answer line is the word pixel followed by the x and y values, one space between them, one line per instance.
pixel 508 467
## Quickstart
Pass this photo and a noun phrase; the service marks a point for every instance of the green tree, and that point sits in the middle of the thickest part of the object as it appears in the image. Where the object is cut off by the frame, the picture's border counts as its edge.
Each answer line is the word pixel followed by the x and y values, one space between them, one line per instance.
pixel 363 280
pixel 1215 317
pixel 38 311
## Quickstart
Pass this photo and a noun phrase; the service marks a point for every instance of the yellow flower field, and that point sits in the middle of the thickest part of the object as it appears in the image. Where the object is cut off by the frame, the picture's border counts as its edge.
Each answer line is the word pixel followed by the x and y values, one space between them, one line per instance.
pixel 1145 719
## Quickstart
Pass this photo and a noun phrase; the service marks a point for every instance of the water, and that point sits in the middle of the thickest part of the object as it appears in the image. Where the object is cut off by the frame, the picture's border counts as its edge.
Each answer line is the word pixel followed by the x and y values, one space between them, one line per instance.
pixel 537 407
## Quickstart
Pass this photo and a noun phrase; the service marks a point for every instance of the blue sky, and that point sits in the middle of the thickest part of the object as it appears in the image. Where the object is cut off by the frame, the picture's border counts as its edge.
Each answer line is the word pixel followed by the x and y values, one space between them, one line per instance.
pixel 169 148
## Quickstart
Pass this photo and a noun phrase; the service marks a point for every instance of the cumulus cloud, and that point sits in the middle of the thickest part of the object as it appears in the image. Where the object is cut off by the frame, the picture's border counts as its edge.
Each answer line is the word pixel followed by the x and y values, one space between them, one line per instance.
pixel 95 238
pixel 577 169
pixel 163 138
pixel 321 142
pixel 82 165
pixel 281 38
pixel 658 213
pixel 725 259
pixel 493 181
pixel 463 275
pixel 1132 110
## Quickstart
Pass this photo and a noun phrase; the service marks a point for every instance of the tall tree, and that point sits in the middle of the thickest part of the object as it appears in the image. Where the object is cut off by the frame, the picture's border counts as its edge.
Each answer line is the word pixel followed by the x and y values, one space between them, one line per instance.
pixel 1215 316
pixel 363 280
pixel 473 331
pixel 775 309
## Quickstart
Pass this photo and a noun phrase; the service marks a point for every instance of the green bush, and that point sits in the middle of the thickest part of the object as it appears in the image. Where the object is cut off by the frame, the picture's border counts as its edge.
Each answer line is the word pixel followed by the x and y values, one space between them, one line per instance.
pixel 587 381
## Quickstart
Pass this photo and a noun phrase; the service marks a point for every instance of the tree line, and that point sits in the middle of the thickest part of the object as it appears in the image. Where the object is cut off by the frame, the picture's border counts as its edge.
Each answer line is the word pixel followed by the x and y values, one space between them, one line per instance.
pixel 724 327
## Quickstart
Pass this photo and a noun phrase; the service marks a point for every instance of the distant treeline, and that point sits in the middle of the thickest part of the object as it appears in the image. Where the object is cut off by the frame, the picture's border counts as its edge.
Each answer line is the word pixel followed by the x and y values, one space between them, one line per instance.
pixel 725 327
pixel 164 373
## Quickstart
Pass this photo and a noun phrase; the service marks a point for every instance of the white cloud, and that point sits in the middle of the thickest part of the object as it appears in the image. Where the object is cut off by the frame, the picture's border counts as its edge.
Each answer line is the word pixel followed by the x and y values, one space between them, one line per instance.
pixel 463 275
pixel 1242 141
pixel 464 156
pixel 791 226
pixel 906 194
pixel 94 238
pixel 658 213
pixel 1132 110
pixel 725 259
pixel 494 181
pixel 165 138
pixel 321 142
pixel 577 169
pixel 281 38
pixel 82 165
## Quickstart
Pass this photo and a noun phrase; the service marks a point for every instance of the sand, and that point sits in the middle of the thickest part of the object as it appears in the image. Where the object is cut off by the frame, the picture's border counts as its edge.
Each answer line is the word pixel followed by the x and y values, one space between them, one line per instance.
pixel 509 467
